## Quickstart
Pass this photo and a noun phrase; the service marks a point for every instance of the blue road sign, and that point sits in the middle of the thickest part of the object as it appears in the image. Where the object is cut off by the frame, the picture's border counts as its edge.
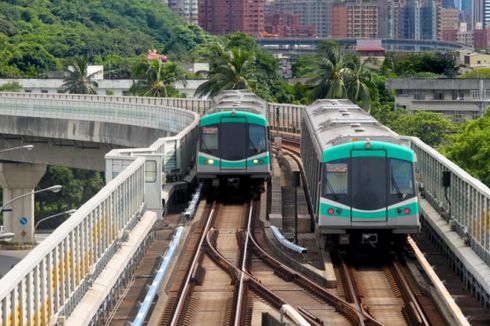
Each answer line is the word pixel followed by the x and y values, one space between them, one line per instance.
pixel 23 220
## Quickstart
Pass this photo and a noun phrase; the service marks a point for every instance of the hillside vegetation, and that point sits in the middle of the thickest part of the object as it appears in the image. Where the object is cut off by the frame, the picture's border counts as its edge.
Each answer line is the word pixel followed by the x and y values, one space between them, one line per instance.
pixel 37 35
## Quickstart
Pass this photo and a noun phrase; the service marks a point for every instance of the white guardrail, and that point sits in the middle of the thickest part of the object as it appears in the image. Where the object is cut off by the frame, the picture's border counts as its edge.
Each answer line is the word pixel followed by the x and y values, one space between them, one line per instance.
pixel 50 281
pixel 469 197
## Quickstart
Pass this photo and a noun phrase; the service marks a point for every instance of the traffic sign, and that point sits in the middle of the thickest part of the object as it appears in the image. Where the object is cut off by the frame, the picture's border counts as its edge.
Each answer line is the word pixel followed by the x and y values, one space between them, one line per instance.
pixel 23 220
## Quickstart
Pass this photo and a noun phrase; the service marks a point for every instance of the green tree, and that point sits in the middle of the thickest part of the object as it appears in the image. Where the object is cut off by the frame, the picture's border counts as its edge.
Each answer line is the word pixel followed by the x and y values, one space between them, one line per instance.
pixel 335 75
pixel 231 69
pixel 11 87
pixel 77 80
pixel 437 63
pixel 432 128
pixel 470 149
pixel 156 78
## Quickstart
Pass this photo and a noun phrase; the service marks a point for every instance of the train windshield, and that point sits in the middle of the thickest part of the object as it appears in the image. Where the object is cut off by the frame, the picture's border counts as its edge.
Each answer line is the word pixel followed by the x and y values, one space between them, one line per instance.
pixel 209 139
pixel 368 186
pixel 336 180
pixel 401 178
pixel 233 141
pixel 256 140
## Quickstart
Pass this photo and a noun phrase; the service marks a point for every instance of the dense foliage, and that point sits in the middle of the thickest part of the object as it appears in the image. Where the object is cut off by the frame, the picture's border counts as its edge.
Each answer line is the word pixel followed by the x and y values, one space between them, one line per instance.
pixel 237 62
pixel 36 35
pixel 425 65
pixel 470 148
pixel 78 187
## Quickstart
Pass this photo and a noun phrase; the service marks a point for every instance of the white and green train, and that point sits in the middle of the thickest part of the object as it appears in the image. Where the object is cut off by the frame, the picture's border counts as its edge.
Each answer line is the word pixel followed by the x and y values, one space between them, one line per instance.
pixel 360 174
pixel 234 142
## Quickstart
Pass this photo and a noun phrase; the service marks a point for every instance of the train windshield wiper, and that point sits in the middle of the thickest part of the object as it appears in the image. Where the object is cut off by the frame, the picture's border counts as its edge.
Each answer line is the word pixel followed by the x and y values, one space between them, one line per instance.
pixel 395 185
pixel 329 186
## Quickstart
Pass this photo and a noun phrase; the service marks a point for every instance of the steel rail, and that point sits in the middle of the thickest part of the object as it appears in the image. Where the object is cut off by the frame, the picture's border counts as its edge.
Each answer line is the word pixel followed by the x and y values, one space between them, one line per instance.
pixel 276 301
pixel 184 293
pixel 241 287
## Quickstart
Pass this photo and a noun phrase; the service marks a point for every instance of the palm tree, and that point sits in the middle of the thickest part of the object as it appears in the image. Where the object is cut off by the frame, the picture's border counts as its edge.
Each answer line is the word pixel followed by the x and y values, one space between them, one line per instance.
pixel 229 69
pixel 357 79
pixel 156 78
pixel 76 80
pixel 334 75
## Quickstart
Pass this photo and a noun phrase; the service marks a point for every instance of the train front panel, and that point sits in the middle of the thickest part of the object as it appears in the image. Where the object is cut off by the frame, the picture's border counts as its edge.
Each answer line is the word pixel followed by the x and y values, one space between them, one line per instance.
pixel 233 143
pixel 368 186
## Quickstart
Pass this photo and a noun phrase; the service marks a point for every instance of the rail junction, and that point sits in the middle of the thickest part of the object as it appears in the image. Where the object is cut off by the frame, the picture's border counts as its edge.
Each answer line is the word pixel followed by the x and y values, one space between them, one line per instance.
pixel 228 267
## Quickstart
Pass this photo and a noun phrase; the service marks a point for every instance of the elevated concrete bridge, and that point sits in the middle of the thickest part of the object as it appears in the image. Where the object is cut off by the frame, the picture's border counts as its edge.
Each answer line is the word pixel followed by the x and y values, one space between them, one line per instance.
pixel 47 285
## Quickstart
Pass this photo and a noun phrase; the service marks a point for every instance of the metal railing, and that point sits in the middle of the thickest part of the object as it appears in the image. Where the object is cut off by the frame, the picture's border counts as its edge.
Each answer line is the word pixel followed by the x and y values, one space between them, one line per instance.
pixel 468 209
pixel 55 274
pixel 50 281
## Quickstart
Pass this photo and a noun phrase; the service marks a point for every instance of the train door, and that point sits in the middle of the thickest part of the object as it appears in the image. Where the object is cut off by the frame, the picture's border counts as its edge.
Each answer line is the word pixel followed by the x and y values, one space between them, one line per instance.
pixel 368 186
pixel 233 144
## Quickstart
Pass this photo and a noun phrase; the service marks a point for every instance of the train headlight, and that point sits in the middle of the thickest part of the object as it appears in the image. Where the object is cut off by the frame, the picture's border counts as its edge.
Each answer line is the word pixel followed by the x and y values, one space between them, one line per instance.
pixel 368 145
pixel 406 210
pixel 209 162
pixel 330 211
pixel 255 161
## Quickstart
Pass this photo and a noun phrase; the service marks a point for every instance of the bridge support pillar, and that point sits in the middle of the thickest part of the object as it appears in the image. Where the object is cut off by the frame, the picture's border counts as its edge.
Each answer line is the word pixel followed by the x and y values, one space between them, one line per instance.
pixel 17 179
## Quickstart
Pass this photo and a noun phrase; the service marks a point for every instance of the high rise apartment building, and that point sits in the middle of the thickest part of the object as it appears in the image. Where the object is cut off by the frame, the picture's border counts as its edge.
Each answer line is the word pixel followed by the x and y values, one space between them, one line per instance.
pixel 355 20
pixel 227 16
pixel 310 12
pixel 184 8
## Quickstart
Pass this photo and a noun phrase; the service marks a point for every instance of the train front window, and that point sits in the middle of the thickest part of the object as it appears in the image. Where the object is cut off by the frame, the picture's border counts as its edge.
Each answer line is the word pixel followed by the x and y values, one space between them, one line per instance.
pixel 209 139
pixel 336 180
pixel 368 185
pixel 233 139
pixel 401 178
pixel 256 139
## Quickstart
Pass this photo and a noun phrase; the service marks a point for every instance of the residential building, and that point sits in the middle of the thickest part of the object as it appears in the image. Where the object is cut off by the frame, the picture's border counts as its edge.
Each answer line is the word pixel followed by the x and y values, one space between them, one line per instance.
pixel 310 12
pixel 481 38
pixel 477 60
pixel 284 25
pixel 223 16
pixel 339 20
pixel 428 20
pixel 410 20
pixel 188 9
pixel 362 19
pixel 464 35
pixel 462 99
pixel 448 21
pixel 116 87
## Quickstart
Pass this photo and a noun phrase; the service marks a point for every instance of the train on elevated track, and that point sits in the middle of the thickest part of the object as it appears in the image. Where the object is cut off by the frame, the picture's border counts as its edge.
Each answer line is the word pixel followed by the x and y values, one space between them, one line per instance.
pixel 360 175
pixel 234 145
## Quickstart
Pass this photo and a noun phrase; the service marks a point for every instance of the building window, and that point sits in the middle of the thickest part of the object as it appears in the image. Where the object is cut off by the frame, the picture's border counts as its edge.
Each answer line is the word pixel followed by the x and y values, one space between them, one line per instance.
pixel 401 92
pixel 44 91
pixel 439 95
pixel 418 94
pixel 475 94
pixel 458 95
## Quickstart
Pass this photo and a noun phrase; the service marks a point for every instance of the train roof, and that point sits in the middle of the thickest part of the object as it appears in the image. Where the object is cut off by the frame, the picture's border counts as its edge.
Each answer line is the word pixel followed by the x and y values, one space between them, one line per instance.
pixel 333 122
pixel 238 100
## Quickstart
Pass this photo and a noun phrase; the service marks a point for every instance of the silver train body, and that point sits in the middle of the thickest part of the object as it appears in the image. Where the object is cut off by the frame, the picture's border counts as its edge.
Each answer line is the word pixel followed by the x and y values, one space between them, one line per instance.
pixel 360 173
pixel 234 141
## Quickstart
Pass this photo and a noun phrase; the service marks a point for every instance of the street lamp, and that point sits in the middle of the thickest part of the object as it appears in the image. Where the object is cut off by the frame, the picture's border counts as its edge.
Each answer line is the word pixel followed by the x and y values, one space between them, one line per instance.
pixel 69 212
pixel 55 188
pixel 26 147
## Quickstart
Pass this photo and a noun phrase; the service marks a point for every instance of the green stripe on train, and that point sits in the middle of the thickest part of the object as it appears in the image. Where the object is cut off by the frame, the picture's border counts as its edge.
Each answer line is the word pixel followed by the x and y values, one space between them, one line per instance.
pixel 234 164
pixel 377 149
pixel 229 117
pixel 346 213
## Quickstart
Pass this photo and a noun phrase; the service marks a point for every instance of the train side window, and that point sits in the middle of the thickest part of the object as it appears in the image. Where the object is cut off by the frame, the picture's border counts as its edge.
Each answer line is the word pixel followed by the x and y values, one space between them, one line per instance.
pixel 210 139
pixel 401 179
pixel 257 142
pixel 336 178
